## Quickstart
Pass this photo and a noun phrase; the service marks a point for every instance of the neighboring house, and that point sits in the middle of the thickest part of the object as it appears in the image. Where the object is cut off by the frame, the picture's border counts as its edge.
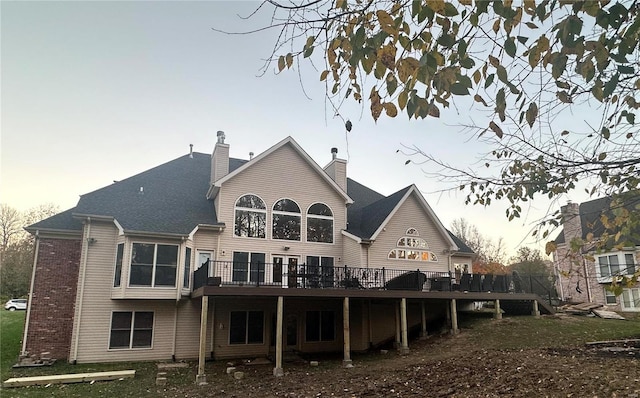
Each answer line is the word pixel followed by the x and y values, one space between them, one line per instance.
pixel 216 257
pixel 584 276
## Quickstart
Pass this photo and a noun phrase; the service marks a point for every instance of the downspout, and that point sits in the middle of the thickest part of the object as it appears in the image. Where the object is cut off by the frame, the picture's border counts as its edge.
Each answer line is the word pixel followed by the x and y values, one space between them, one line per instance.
pixel 85 243
pixel 33 278
pixel 586 279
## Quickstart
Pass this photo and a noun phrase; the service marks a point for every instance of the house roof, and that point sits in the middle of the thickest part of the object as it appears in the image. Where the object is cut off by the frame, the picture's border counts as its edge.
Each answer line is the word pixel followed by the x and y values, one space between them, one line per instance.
pixel 171 199
pixel 371 211
pixel 590 213
pixel 61 222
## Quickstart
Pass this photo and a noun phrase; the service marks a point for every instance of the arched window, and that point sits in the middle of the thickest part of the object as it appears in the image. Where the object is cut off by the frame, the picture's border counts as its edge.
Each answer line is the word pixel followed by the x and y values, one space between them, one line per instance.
pixel 412 232
pixel 250 217
pixel 412 248
pixel 319 223
pixel 286 220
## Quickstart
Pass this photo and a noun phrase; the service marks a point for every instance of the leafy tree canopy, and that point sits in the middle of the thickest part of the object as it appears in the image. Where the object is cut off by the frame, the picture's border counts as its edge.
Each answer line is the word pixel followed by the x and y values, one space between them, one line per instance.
pixel 522 66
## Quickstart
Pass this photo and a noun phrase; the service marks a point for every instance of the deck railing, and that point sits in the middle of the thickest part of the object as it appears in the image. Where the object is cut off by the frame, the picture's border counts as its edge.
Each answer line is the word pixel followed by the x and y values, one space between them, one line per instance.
pixel 304 276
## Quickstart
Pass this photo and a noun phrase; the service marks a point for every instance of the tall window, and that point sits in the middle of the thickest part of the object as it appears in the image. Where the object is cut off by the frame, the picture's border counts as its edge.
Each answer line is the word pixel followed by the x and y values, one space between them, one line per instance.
pixel 153 264
pixel 609 297
pixel 320 270
pixel 118 271
pixel 616 264
pixel 246 327
pixel 320 326
pixel 248 267
pixel 187 268
pixel 250 217
pixel 319 223
pixel 286 220
pixel 131 330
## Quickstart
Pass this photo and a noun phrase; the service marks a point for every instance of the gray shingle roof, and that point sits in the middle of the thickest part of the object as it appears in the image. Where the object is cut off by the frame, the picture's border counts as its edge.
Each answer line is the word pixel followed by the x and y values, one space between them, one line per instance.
pixel 62 221
pixel 173 200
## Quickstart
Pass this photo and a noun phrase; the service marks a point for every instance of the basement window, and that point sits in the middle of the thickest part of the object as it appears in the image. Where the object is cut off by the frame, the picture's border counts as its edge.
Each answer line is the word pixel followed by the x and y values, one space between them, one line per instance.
pixel 246 327
pixel 131 329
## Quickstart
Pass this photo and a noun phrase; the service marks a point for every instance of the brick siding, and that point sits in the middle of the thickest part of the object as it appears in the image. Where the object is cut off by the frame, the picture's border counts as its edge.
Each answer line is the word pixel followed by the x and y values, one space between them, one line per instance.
pixel 53 298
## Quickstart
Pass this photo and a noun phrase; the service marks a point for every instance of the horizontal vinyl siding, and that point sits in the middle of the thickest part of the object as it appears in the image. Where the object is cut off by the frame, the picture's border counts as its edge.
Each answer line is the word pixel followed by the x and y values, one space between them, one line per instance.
pixel 283 174
pixel 352 253
pixel 97 306
pixel 188 328
pixel 410 214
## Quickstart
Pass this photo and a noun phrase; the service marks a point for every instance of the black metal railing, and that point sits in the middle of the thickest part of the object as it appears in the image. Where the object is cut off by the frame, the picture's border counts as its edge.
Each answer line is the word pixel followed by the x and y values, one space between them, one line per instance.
pixel 304 276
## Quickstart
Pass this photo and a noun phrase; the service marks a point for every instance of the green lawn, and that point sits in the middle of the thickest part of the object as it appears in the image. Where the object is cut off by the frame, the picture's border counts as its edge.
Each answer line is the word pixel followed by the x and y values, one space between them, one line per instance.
pixel 481 332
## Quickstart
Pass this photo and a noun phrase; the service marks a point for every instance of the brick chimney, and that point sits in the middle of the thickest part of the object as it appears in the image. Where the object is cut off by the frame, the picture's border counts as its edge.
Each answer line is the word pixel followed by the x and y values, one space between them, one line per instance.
pixel 337 169
pixel 219 159
pixel 571 221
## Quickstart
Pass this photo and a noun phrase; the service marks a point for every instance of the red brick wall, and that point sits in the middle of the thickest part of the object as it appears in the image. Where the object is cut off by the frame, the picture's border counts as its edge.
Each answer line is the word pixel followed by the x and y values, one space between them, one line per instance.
pixel 53 298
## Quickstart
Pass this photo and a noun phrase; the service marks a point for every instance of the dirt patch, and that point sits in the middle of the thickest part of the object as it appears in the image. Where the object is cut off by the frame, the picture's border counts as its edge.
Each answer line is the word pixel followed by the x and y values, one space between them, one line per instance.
pixel 442 366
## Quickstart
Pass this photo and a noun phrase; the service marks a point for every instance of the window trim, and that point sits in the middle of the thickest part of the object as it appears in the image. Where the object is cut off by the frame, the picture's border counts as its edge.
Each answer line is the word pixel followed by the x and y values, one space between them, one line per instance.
pixel 286 213
pixel 263 211
pixel 131 331
pixel 154 265
pixel 316 216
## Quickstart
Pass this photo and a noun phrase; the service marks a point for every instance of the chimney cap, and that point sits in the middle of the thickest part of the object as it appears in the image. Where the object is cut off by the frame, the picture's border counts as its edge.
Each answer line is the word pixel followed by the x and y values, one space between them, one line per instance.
pixel 221 136
pixel 334 152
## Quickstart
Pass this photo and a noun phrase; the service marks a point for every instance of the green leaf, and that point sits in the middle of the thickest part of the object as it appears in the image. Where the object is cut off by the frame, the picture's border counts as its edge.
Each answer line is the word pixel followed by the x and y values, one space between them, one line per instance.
pixel 559 66
pixel 459 89
pixel 449 10
pixel 510 47
pixel 392 83
pixel 446 40
pixel 626 70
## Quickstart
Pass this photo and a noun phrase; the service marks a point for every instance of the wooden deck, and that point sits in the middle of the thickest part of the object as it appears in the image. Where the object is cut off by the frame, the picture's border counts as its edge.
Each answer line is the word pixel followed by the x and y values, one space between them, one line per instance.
pixel 461 297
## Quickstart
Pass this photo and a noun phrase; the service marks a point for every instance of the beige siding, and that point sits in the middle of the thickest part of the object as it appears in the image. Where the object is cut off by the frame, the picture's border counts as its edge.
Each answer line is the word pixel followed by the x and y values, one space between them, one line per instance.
pixel 97 306
pixel 410 214
pixel 282 174
pixel 352 253
pixel 188 328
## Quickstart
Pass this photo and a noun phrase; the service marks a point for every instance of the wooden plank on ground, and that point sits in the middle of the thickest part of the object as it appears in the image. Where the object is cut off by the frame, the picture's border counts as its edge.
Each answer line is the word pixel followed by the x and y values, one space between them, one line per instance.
pixel 607 314
pixel 587 306
pixel 611 342
pixel 68 378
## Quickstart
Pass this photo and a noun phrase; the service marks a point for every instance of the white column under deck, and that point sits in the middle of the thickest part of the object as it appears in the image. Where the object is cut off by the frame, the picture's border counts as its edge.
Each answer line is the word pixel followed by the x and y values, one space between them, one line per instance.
pixel 278 371
pixel 423 319
pixel 454 317
pixel 347 334
pixel 201 377
pixel 404 347
pixel 498 313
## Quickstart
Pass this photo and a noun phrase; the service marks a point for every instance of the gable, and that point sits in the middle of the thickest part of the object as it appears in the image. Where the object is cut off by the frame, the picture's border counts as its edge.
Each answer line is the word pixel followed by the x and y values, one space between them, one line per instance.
pixel 288 153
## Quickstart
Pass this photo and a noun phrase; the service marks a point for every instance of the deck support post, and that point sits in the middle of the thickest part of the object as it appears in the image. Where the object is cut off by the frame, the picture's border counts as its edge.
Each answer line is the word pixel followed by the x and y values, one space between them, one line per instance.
pixel 536 311
pixel 498 313
pixel 454 317
pixel 397 342
pixel 278 371
pixel 201 377
pixel 346 361
pixel 404 347
pixel 423 321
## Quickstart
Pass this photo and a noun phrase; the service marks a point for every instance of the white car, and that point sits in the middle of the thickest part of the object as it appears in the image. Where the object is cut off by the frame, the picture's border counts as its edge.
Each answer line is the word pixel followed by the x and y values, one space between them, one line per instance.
pixel 16 304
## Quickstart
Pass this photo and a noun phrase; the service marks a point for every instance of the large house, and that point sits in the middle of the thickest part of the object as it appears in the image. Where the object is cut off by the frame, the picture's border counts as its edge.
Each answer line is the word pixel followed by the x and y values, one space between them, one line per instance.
pixel 208 256
pixel 586 275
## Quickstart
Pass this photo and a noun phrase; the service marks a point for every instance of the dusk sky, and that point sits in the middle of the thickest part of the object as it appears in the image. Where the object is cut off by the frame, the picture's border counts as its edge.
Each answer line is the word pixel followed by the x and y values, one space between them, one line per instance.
pixel 94 92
